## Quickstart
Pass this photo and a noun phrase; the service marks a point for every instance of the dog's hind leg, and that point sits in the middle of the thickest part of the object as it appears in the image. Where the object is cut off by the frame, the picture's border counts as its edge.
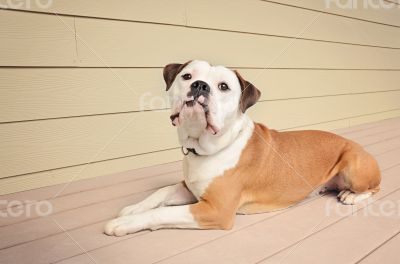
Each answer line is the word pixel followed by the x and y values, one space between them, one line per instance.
pixel 360 175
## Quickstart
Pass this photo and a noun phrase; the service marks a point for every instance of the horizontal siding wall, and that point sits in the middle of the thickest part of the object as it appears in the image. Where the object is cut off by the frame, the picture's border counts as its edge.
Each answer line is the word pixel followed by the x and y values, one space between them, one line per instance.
pixel 82 94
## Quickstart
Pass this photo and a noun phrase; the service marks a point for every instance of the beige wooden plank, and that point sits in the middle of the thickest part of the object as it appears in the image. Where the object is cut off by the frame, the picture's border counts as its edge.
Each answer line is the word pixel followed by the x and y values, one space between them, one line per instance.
pixel 271 18
pixel 277 84
pixel 171 12
pixel 43 145
pixel 261 17
pixel 60 245
pixel 376 138
pixel 390 161
pixel 55 244
pixel 369 128
pixel 369 136
pixel 277 115
pixel 366 232
pixel 125 44
pixel 70 217
pixel 168 243
pixel 66 175
pixel 384 122
pixel 62 190
pixel 374 117
pixel 386 253
pixel 28 147
pixel 366 139
pixel 126 186
pixel 28 39
pixel 379 149
pixel 28 94
pixel 12 233
pixel 380 14
pixel 390 145
pixel 74 92
pixel 346 122
pixel 93 196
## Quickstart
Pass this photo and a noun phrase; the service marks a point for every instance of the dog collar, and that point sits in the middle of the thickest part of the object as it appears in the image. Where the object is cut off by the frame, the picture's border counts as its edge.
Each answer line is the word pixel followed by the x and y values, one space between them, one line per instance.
pixel 192 150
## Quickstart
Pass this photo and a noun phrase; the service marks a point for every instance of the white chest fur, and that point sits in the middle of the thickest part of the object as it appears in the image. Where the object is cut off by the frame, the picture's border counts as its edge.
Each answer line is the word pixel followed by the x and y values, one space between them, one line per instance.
pixel 199 171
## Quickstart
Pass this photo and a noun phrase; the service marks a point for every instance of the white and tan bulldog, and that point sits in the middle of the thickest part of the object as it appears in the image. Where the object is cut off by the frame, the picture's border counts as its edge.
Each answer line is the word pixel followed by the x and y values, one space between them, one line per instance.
pixel 234 165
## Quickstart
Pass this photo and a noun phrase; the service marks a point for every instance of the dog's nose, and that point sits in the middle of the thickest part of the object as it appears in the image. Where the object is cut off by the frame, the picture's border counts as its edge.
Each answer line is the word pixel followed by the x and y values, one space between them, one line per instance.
pixel 199 87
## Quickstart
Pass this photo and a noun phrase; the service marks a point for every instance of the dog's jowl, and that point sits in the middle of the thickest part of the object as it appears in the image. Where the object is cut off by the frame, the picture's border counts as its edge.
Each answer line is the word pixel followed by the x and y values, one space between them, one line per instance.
pixel 234 165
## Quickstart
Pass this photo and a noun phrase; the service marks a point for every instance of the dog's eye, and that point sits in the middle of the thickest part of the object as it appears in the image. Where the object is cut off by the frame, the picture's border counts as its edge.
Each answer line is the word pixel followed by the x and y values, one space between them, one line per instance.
pixel 187 76
pixel 223 87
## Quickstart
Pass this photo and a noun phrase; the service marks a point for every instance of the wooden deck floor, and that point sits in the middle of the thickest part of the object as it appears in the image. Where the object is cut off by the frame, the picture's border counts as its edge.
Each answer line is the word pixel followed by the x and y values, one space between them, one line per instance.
pixel 317 230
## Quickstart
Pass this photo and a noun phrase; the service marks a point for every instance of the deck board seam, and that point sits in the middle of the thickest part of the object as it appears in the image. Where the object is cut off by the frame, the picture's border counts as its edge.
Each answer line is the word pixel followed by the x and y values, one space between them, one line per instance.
pixel 378 247
pixel 369 126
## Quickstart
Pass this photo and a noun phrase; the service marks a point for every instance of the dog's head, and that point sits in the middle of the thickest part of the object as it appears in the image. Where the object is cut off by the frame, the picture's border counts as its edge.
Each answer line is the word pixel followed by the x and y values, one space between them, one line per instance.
pixel 205 97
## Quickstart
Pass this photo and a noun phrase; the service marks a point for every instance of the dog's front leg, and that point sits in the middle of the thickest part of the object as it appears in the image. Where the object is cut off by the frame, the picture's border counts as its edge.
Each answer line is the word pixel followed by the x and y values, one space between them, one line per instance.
pixel 162 217
pixel 201 215
pixel 177 194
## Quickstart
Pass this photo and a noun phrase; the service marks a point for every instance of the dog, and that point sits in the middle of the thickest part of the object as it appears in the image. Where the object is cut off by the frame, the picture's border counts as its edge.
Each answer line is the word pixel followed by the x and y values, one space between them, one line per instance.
pixel 233 165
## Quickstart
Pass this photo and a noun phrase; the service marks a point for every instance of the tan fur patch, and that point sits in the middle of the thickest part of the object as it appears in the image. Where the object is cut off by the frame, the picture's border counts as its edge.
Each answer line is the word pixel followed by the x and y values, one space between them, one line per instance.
pixel 279 169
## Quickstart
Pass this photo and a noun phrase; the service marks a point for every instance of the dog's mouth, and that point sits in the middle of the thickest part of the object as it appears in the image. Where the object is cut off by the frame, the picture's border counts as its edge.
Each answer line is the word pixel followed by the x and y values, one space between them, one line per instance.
pixel 191 103
pixel 201 101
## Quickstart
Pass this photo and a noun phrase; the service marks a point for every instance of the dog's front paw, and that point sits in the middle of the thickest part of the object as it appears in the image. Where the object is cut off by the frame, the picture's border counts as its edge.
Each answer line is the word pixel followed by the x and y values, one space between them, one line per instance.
pixel 122 226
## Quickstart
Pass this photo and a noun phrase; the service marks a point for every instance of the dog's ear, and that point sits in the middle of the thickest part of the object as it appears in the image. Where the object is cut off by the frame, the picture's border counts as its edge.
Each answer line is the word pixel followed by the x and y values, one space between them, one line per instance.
pixel 250 94
pixel 171 71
